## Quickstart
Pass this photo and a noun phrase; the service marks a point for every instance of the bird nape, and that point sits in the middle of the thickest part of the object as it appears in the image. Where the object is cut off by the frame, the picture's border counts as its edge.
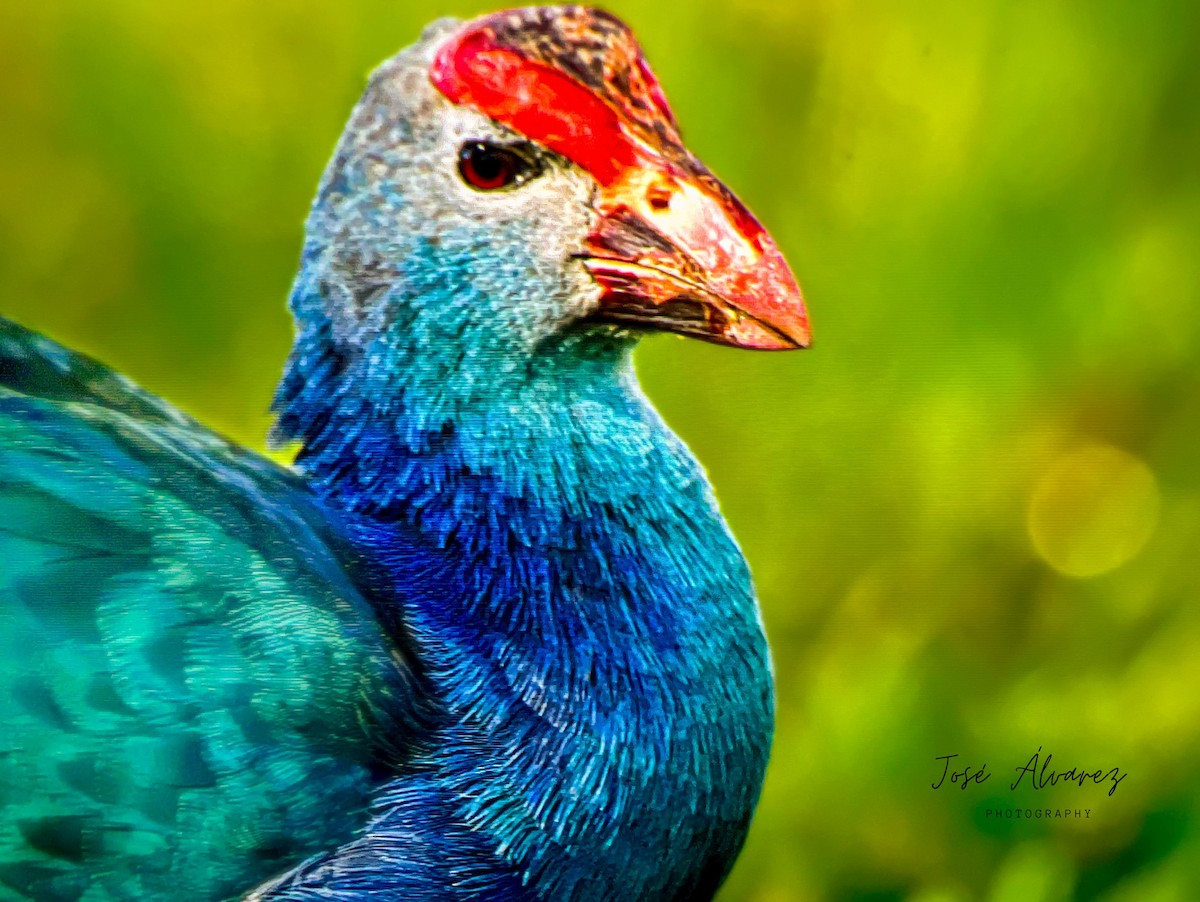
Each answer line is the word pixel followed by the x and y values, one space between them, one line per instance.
pixel 489 638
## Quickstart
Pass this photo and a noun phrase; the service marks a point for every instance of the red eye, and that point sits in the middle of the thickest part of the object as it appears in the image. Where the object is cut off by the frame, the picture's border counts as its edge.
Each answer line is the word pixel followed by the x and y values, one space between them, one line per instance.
pixel 489 168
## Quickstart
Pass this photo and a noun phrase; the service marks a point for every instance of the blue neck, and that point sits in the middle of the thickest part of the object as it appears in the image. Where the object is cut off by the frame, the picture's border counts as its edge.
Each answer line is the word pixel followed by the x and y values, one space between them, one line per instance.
pixel 583 613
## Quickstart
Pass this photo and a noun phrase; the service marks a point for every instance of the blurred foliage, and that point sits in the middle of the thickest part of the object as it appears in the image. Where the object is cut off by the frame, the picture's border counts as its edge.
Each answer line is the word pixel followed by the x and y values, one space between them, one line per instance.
pixel 973 509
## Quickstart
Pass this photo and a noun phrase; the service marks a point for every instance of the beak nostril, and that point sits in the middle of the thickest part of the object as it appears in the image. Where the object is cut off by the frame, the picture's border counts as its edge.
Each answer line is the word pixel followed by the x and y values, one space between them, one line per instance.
pixel 658 197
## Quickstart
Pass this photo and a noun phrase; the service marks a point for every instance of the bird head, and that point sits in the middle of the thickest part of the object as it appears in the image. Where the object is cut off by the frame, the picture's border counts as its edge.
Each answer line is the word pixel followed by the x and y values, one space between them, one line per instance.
pixel 511 186
pixel 531 157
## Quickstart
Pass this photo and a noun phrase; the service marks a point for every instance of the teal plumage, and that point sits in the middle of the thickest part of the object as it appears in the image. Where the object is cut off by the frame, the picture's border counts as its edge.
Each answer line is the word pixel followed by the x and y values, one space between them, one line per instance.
pixel 156 738
pixel 490 637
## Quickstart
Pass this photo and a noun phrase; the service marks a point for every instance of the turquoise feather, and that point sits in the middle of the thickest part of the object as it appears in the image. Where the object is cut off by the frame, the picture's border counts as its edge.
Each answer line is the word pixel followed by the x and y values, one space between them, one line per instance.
pixel 182 655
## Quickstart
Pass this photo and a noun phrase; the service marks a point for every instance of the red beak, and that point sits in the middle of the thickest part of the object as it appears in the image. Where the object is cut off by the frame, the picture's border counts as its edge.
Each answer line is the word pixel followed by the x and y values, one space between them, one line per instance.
pixel 676 251
pixel 673 248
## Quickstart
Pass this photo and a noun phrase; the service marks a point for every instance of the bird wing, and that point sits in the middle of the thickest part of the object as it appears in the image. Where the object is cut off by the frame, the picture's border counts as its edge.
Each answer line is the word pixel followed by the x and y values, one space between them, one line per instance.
pixel 193 694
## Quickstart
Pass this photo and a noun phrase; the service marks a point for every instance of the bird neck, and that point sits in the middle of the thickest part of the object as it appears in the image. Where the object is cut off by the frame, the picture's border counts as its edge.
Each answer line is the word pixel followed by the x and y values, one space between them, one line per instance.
pixel 476 445
pixel 580 608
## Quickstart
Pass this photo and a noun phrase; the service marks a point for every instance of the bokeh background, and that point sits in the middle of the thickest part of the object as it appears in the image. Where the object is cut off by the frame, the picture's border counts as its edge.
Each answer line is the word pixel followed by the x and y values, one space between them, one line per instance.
pixel 973 509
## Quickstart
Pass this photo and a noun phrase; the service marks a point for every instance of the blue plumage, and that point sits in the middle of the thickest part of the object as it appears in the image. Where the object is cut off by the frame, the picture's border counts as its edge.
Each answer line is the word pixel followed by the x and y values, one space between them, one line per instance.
pixel 491 639
pixel 183 654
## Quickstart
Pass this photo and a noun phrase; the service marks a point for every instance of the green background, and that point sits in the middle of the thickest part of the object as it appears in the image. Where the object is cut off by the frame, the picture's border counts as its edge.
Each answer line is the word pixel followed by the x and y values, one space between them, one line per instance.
pixel 973 509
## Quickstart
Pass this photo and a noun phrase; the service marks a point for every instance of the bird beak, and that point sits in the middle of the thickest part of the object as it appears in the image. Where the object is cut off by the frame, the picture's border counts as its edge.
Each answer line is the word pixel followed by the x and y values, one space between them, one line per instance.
pixel 676 251
pixel 672 248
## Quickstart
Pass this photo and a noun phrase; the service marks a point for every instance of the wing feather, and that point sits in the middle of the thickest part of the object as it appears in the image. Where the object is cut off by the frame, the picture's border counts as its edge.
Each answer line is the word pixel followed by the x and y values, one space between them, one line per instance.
pixel 193 693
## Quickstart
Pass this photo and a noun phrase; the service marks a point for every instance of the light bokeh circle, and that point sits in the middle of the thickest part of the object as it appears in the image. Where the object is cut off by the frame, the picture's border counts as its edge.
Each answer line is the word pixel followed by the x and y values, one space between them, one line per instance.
pixel 1094 509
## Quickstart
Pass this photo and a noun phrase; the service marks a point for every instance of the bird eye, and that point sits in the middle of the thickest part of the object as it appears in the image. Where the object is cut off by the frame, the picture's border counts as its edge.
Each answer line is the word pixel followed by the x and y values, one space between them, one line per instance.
pixel 488 167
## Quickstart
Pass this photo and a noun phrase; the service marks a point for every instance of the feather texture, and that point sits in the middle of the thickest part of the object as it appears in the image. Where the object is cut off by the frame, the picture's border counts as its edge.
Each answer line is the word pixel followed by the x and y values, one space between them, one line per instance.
pixel 182 654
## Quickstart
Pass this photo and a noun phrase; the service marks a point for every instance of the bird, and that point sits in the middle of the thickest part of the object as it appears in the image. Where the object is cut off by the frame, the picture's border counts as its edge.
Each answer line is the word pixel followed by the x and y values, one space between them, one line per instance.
pixel 488 635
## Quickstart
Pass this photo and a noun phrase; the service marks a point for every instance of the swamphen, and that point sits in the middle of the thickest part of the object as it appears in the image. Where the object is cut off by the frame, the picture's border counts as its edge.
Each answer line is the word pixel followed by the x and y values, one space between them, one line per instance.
pixel 490 637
